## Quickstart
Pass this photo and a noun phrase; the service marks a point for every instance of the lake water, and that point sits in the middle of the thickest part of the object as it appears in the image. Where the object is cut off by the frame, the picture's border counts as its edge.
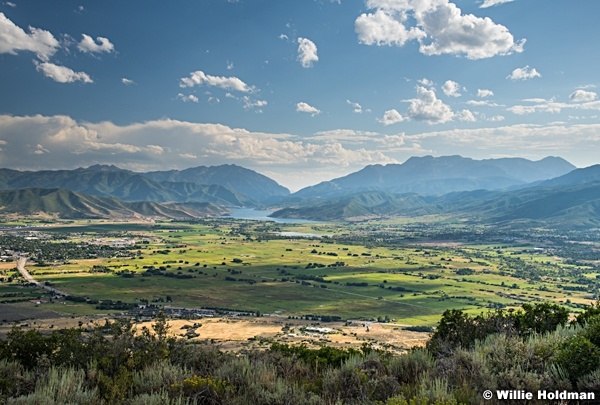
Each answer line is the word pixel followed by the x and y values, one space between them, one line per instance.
pixel 263 215
pixel 301 235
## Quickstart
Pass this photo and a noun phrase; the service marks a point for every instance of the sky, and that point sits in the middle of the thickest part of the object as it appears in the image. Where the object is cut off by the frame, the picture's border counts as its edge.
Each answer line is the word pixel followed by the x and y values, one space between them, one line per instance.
pixel 301 91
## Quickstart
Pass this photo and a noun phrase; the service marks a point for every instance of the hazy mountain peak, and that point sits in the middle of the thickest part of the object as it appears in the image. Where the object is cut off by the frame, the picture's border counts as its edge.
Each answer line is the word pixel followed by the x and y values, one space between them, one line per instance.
pixel 429 175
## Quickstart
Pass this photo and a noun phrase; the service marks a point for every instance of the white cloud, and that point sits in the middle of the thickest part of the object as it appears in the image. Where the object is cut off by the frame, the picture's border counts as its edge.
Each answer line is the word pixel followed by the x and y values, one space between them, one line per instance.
pixel 306 108
pixel 199 78
pixel 190 98
pixel 524 73
pixel 425 82
pixel 496 118
pixel 345 135
pixel 250 104
pixel 391 117
pixel 284 37
pixel 381 28
pixel 166 144
pixel 14 39
pixel 582 95
pixel 127 82
pixel 427 107
pixel 490 3
pixel 188 156
pixel 10 4
pixel 451 89
pixel 88 45
pixel 484 103
pixel 357 108
pixel 62 74
pixel 307 52
pixel 484 93
pixel 229 65
pixel 439 27
pixel 552 106
pixel 465 116
pixel 523 140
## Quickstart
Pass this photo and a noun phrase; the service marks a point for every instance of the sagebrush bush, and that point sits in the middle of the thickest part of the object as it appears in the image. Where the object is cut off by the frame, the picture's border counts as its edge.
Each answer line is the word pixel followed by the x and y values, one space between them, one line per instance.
pixel 60 386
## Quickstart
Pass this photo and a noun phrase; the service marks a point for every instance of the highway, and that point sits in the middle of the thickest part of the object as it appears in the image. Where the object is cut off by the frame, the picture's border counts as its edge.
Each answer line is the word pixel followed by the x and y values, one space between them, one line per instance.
pixel 29 278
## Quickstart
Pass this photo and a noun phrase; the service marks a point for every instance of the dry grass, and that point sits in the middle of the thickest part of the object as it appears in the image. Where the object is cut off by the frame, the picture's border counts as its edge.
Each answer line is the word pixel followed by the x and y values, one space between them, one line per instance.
pixel 238 333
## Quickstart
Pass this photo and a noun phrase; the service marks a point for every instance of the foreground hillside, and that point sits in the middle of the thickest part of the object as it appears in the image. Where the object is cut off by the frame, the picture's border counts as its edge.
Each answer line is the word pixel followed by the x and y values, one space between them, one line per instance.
pixel 530 351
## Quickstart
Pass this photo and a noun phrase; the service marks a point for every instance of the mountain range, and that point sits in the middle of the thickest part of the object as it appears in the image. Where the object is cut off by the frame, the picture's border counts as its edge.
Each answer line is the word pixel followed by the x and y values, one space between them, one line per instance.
pixel 549 191
pixel 430 175
pixel 227 185
pixel 571 200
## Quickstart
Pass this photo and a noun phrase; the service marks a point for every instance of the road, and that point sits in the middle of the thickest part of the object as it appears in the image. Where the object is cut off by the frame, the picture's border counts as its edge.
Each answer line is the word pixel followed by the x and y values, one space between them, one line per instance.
pixel 29 278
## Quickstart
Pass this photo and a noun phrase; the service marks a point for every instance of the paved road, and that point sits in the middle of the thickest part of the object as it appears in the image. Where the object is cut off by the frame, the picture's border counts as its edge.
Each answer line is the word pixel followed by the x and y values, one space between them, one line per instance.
pixel 21 267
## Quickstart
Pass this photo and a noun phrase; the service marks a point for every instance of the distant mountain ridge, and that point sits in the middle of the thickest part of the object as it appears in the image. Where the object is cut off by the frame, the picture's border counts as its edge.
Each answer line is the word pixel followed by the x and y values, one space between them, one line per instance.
pixel 430 175
pixel 226 185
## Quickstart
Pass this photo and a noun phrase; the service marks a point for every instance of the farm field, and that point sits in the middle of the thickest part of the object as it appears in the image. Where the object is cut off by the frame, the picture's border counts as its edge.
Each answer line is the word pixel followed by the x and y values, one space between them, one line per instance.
pixel 398 272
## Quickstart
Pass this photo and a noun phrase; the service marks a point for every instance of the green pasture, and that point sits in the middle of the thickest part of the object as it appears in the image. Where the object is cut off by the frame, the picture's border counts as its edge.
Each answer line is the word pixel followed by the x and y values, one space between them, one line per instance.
pixel 411 283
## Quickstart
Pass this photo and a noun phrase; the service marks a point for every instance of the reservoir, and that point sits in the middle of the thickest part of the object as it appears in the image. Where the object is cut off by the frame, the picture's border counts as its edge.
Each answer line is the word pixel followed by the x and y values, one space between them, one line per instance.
pixel 263 215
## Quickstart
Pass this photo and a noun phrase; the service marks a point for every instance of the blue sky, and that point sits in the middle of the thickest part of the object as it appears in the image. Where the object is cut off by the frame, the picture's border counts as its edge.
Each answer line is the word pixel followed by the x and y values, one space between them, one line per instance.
pixel 302 91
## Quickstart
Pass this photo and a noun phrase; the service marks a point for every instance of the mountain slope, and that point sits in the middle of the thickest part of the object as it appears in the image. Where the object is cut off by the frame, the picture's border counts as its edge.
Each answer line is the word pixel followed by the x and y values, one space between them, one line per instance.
pixel 241 180
pixel 62 203
pixel 576 205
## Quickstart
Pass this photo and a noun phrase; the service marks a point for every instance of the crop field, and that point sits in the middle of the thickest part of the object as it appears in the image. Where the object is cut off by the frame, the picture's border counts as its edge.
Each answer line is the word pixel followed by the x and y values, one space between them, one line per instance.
pixel 348 272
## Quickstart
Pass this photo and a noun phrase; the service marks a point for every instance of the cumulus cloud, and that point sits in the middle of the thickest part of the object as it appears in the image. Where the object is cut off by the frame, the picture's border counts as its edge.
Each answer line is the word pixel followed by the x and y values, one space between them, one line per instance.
pixel 438 25
pixel 484 93
pixel 88 45
pixel 427 107
pixel 62 74
pixel 583 95
pixel 199 78
pixel 307 52
pixel 490 3
pixel 381 28
pixel 62 142
pixel 190 98
pixel 465 116
pixel 391 117
pixel 524 73
pixel 14 39
pixel 451 89
pixel 306 108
